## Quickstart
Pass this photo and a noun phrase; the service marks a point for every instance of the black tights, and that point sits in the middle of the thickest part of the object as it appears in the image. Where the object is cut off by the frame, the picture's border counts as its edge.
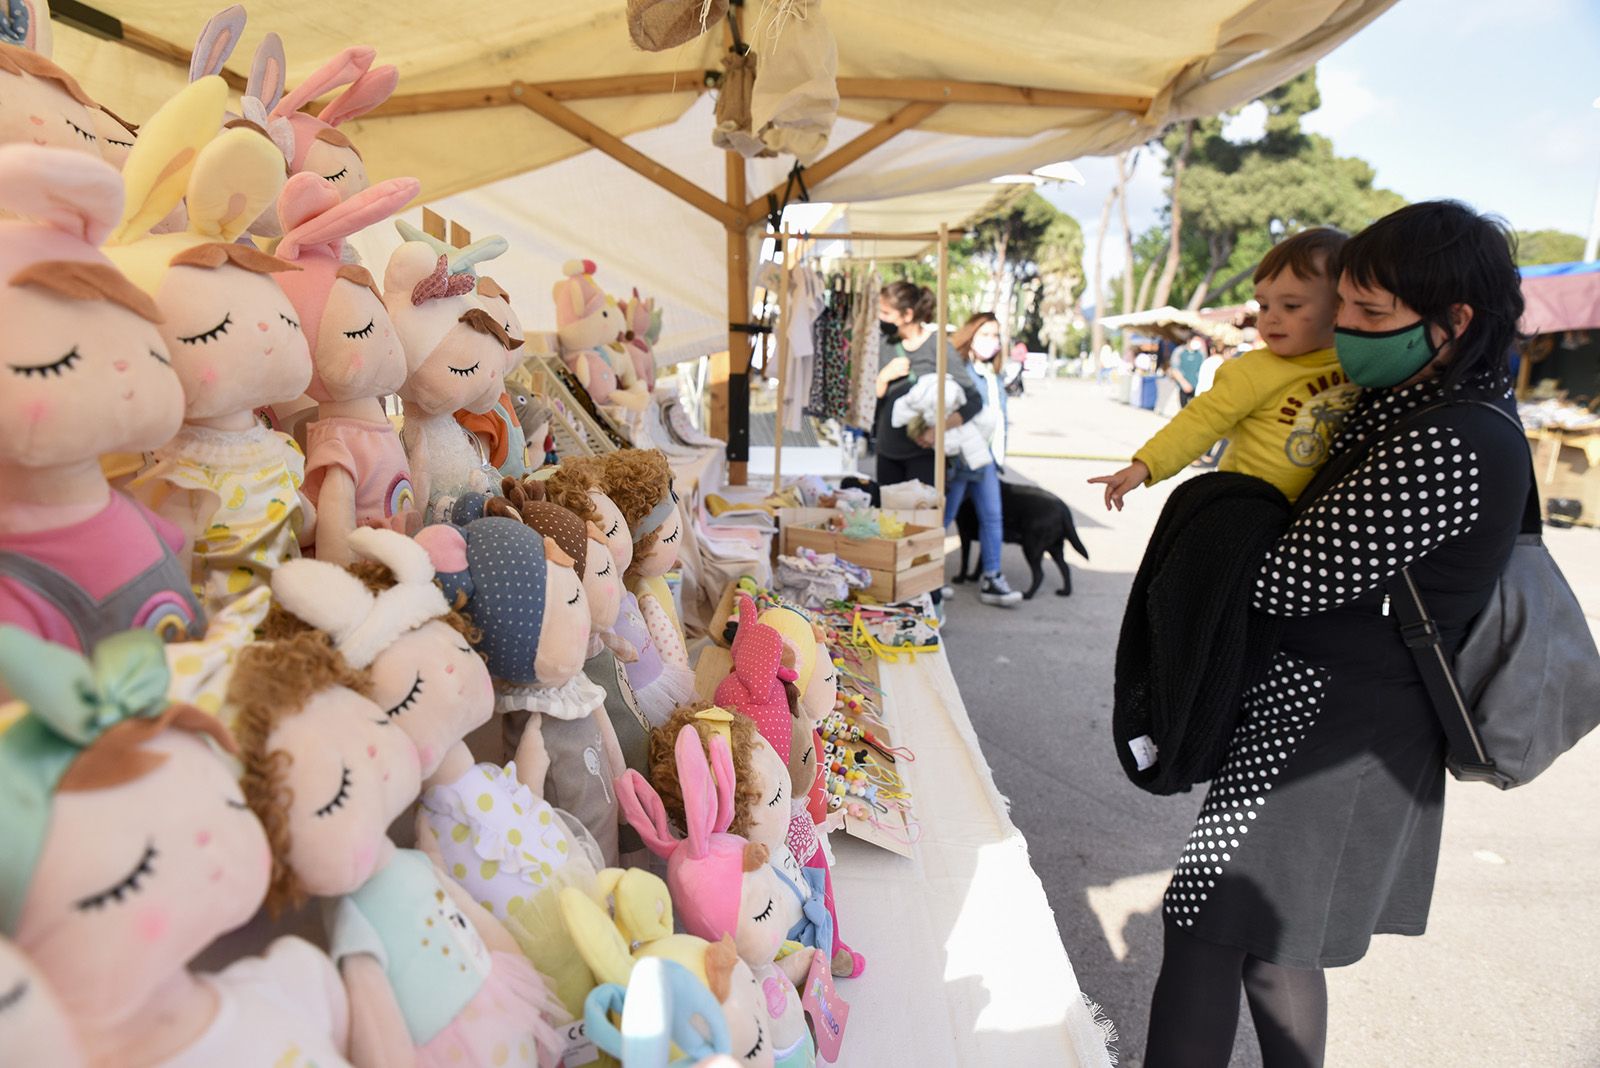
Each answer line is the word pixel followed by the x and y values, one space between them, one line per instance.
pixel 1195 1009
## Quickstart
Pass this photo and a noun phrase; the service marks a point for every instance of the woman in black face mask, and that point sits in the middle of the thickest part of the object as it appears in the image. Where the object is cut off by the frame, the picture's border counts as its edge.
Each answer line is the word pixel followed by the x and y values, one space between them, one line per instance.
pixel 1322 827
pixel 905 312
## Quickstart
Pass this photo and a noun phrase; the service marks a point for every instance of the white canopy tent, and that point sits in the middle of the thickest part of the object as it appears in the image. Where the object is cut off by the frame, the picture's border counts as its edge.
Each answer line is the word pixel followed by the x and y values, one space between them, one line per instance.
pixel 492 92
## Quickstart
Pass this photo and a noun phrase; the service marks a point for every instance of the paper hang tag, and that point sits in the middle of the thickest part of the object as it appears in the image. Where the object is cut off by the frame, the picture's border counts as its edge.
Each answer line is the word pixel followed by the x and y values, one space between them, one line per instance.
pixel 1144 752
pixel 828 1011
pixel 576 1047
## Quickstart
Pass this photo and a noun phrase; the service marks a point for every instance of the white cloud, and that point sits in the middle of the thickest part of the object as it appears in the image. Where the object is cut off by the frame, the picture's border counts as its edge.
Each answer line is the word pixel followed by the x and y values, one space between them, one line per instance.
pixel 1249 125
pixel 1346 100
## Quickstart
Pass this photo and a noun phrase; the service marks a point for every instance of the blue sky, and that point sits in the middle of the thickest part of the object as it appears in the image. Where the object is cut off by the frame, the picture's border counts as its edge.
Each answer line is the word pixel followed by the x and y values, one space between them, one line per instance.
pixel 1486 101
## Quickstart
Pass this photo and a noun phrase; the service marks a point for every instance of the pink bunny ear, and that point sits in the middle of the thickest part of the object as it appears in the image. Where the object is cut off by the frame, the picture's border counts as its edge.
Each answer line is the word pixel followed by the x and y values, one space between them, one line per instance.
pixel 727 780
pixel 310 217
pixel 369 90
pixel 446 547
pixel 747 611
pixel 216 42
pixel 267 72
pixel 700 810
pixel 341 70
pixel 77 194
pixel 644 811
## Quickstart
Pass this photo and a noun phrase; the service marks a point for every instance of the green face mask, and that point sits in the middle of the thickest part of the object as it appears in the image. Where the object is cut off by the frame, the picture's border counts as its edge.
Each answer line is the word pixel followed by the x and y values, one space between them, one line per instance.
pixel 1380 359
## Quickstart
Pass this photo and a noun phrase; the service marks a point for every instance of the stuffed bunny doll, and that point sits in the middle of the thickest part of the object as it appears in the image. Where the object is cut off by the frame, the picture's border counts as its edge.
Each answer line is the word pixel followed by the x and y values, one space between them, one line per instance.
pixel 523 595
pixel 724 885
pixel 586 320
pixel 41 104
pixel 356 469
pixel 433 979
pixel 319 147
pixel 456 357
pixel 129 849
pixel 630 920
pixel 230 484
pixel 659 684
pixel 640 482
pixel 817 681
pixel 34 1028
pixel 641 323
pixel 88 374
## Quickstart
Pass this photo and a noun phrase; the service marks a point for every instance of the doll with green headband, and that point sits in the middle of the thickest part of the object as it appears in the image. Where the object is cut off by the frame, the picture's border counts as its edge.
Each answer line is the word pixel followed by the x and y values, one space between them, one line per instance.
pixel 129 849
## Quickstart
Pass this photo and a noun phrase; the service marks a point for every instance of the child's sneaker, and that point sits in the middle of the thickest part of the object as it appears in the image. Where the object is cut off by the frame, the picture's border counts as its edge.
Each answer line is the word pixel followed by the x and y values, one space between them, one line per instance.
pixel 995 590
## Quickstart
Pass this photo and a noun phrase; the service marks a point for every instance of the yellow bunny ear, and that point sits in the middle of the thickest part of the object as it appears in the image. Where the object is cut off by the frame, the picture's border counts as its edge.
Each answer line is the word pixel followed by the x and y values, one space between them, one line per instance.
pixel 642 905
pixel 233 181
pixel 599 942
pixel 158 168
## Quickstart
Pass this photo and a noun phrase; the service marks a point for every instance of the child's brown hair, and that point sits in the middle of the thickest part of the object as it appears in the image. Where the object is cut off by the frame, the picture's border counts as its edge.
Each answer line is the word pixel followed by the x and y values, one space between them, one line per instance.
pixel 1311 254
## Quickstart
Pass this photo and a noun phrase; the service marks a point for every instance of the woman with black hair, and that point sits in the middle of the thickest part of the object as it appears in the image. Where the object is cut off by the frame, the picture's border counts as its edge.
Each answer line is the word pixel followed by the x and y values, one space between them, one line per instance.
pixel 1322 827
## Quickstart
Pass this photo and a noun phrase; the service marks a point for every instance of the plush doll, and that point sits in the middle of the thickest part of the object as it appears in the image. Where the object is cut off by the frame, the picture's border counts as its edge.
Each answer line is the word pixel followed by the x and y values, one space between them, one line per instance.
pixel 663 1006
pixel 640 482
pixel 817 682
pixel 630 920
pixel 641 324
pixel 319 147
pixel 26 24
pixel 117 135
pixel 659 684
pixel 586 321
pixel 456 356
pixel 522 593
pixel 432 978
pixel 34 1028
pixel 230 484
pixel 724 885
pixel 89 374
pixel 356 469
pixel 534 414
pixel 129 849
pixel 41 104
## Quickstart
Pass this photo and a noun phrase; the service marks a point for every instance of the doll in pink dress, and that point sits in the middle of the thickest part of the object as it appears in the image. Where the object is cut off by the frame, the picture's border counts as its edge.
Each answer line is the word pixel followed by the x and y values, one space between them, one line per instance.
pixel 319 146
pixel 85 372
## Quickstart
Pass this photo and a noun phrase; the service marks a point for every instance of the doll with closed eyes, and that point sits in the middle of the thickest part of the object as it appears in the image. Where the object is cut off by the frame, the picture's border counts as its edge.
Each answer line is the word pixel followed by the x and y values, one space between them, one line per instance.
pixel 640 482
pixel 432 978
pixel 319 146
pixel 84 371
pixel 129 849
pixel 34 1028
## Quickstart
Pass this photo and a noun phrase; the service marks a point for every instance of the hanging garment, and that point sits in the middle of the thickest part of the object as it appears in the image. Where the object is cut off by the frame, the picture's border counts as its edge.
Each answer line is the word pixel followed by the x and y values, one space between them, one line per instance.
pixel 805 304
pixel 732 132
pixel 864 351
pixel 830 377
pixel 796 95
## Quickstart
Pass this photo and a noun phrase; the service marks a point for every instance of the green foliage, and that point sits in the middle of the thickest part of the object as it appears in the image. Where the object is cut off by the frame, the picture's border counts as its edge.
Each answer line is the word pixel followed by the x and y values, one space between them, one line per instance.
pixel 1547 246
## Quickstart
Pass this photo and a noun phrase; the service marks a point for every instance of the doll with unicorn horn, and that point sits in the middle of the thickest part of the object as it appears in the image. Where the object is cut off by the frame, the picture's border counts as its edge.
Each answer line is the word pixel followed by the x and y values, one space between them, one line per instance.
pixel 724 885
pixel 230 484
pixel 89 374
pixel 129 849
pixel 357 473
pixel 320 147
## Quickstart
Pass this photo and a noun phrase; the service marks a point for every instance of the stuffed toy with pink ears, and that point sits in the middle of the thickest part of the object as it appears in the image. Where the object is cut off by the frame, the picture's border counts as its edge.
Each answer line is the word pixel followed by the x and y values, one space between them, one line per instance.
pixel 319 147
pixel 755 689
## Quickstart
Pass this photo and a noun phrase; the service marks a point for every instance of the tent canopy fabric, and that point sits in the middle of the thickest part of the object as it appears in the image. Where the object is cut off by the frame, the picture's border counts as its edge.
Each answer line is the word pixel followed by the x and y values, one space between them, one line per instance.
pixel 1161 62
pixel 1563 296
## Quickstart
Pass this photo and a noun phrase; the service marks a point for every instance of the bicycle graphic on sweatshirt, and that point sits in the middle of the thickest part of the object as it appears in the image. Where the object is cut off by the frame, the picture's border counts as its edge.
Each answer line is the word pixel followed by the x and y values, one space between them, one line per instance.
pixel 1307 444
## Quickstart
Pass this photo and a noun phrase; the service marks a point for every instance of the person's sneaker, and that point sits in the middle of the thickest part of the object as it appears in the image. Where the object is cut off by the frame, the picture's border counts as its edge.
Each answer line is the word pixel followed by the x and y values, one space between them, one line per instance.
pixel 947 592
pixel 995 590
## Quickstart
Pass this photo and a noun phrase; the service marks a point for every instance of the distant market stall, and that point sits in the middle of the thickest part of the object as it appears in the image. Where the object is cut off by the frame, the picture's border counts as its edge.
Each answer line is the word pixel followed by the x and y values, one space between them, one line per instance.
pixel 1558 386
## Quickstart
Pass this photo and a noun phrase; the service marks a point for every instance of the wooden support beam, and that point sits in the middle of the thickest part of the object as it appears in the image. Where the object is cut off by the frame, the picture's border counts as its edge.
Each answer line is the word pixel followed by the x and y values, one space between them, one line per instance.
pixel 97 23
pixel 732 394
pixel 498 96
pixel 546 107
pixel 840 158
pixel 953 92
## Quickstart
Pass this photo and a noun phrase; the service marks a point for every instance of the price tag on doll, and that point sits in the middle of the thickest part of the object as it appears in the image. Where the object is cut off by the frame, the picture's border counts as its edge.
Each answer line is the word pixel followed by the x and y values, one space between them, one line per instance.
pixel 576 1047
pixel 828 1011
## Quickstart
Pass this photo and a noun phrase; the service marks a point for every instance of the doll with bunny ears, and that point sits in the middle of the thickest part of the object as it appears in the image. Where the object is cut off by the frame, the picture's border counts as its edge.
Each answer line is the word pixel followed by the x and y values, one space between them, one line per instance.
pixel 43 104
pixel 432 978
pixel 724 885
pixel 356 469
pixel 319 146
pixel 86 372
pixel 128 850
pixel 229 483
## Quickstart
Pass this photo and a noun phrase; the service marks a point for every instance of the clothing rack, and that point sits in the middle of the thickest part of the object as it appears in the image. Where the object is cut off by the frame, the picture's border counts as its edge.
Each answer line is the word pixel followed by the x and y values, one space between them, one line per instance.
pixel 786 247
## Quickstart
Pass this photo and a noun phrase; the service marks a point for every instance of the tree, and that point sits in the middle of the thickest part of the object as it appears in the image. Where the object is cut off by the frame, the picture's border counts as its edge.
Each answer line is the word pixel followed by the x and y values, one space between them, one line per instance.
pixel 1547 246
pixel 1169 272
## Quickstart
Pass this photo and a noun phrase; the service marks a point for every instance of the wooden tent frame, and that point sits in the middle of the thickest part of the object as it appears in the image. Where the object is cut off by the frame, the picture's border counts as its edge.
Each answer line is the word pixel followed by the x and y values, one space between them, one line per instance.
pixel 737 211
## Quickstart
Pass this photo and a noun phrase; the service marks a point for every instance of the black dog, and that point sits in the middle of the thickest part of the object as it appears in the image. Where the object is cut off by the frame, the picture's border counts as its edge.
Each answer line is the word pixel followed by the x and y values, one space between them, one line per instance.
pixel 1035 519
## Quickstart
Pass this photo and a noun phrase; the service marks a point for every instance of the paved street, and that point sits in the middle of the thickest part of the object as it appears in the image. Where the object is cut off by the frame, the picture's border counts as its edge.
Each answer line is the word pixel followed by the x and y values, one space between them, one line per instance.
pixel 1509 971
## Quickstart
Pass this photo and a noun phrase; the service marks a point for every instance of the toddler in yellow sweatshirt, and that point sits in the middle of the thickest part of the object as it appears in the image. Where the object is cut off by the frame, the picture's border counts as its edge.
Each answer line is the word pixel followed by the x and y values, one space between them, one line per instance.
pixel 1279 407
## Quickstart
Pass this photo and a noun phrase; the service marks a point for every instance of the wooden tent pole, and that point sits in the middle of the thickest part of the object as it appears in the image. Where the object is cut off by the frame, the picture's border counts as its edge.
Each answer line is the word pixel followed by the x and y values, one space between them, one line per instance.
pixel 783 360
pixel 730 382
pixel 943 364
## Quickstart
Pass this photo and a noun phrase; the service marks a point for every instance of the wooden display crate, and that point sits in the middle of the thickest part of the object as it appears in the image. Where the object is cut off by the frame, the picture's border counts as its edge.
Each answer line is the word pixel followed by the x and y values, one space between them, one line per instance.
pixel 901 567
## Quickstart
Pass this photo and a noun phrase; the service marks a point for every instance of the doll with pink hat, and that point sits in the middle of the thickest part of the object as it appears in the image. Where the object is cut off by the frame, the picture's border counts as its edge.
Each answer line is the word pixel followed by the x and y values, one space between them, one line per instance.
pixel 320 147
pixel 356 469
pixel 88 373
pixel 641 322
pixel 229 483
pixel 432 978
pixel 586 321
pixel 724 885
pixel 129 849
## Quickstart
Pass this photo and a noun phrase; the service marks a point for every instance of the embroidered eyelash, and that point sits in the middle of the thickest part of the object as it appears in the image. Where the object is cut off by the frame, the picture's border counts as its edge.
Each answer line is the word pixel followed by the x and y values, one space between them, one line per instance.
pixel 578 593
pixel 365 331
pixel 14 995
pixel 237 804
pixel 409 700
pixel 44 370
pixel 776 797
pixel 339 798
pixel 761 1042
pixel 675 533
pixel 129 885
pixel 336 177
pixel 605 570
pixel 81 132
pixel 765 913
pixel 210 335
pixel 292 323
pixel 613 531
pixel 160 357
pixel 465 371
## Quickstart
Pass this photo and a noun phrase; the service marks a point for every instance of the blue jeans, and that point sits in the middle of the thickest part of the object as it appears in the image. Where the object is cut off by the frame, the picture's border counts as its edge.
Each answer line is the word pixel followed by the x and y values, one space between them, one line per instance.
pixel 984 485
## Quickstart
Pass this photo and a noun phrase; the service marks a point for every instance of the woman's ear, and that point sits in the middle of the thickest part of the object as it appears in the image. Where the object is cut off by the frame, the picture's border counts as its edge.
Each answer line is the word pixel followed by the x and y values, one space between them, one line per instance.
pixel 1460 318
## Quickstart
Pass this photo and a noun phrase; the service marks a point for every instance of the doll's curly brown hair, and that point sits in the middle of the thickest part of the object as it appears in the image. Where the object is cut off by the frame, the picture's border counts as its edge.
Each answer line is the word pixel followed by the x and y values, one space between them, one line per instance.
pixel 664 763
pixel 271 681
pixel 569 485
pixel 281 623
pixel 636 480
